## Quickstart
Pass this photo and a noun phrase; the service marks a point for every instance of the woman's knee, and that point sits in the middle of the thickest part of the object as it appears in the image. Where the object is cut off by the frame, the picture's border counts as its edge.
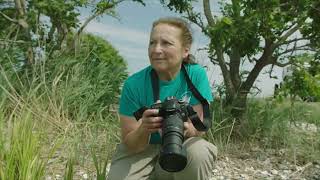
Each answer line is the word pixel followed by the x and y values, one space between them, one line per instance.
pixel 200 151
pixel 129 166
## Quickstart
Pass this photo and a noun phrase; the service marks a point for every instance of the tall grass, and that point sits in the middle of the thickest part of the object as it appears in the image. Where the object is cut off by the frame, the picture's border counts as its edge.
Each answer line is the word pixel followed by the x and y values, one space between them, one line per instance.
pixel 65 106
pixel 20 150
pixel 270 123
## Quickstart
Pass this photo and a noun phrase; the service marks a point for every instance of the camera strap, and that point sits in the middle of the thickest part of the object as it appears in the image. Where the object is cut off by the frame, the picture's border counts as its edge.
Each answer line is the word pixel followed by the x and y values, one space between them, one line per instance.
pixel 197 123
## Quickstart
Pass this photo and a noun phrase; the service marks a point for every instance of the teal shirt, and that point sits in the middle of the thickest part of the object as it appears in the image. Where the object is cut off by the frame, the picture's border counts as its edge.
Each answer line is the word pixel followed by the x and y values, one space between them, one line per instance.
pixel 137 91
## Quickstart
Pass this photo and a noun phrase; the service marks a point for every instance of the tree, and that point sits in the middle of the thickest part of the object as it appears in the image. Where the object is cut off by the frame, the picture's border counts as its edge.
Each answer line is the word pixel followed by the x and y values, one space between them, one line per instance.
pixel 19 23
pixel 304 81
pixel 63 16
pixel 27 15
pixel 262 33
pixel 101 8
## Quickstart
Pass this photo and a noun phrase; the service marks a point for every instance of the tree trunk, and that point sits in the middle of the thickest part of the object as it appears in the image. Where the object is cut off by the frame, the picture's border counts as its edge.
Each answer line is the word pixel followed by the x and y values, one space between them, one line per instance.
pixel 239 104
pixel 22 21
pixel 77 36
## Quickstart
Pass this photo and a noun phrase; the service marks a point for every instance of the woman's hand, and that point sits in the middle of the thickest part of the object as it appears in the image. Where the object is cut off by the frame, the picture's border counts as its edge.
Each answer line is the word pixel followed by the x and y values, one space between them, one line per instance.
pixel 189 130
pixel 150 121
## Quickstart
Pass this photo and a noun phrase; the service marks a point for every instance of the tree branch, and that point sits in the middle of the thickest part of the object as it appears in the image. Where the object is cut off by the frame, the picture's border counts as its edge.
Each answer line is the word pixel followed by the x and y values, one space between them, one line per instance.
pixel 19 7
pixel 305 47
pixel 286 35
pixel 261 63
pixel 281 64
pixel 76 38
pixel 294 40
pixel 225 72
pixel 12 28
pixel 196 20
pixel 207 12
pixel 214 61
pixel 13 41
pixel 258 90
pixel 213 58
pixel 286 29
pixel 96 14
pixel 234 66
pixel 270 72
pixel 8 18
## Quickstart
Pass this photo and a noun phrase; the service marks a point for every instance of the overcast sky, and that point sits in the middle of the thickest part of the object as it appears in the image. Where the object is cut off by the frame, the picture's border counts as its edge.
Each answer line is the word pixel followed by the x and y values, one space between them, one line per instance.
pixel 130 36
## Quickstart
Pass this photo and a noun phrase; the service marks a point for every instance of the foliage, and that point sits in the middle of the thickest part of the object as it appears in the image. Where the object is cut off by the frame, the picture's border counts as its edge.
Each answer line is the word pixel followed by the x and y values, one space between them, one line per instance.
pixel 69 94
pixel 304 81
pixel 96 77
pixel 101 167
pixel 313 30
pixel 93 77
pixel 20 152
pixel 47 115
pixel 256 34
pixel 69 170
pixel 46 24
pixel 177 5
pixel 270 124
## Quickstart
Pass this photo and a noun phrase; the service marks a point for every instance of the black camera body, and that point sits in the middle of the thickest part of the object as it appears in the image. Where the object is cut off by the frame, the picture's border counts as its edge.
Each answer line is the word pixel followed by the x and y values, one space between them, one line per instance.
pixel 173 156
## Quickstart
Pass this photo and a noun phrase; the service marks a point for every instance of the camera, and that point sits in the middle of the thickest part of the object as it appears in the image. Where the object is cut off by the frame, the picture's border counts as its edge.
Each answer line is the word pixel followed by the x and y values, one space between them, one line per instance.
pixel 173 156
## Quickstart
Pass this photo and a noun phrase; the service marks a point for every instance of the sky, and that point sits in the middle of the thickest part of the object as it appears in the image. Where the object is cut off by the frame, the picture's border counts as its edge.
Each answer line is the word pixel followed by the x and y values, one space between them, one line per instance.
pixel 130 36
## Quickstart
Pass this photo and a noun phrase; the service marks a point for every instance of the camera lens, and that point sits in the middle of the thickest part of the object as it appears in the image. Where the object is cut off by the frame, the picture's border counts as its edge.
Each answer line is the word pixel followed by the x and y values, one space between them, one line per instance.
pixel 172 155
pixel 172 161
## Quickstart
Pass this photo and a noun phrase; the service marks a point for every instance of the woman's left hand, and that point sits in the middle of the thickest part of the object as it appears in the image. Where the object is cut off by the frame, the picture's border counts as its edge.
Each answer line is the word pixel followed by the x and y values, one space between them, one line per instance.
pixel 189 130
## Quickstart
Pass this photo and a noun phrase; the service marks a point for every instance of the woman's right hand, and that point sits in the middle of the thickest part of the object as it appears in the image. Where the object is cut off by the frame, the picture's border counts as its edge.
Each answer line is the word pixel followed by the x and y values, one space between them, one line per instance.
pixel 150 121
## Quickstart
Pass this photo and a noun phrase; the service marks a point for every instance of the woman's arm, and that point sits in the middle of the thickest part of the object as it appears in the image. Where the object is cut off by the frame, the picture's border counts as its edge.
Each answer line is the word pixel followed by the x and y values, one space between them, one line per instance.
pixel 189 129
pixel 135 134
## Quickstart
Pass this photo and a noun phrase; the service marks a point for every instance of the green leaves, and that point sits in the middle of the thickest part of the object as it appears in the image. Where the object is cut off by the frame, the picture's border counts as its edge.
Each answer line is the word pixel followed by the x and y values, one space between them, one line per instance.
pixel 226 20
pixel 179 6
pixel 304 82
pixel 235 32
pixel 140 1
pixel 93 77
pixel 22 157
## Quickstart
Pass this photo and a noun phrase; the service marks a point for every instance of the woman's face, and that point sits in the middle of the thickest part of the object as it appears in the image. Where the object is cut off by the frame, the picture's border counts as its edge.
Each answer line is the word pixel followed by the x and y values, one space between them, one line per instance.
pixel 166 51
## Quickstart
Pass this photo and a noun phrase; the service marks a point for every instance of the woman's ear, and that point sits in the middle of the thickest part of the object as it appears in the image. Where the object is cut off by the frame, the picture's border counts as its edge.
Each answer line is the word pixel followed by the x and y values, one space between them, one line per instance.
pixel 186 52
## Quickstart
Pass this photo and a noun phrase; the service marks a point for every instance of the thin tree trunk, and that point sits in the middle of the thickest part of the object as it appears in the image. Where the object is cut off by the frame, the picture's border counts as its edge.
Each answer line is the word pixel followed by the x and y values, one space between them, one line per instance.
pixel 76 38
pixel 22 21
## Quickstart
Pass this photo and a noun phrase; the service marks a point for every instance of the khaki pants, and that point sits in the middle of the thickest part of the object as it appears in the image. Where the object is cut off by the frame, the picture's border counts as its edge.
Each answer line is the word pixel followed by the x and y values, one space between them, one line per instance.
pixel 144 165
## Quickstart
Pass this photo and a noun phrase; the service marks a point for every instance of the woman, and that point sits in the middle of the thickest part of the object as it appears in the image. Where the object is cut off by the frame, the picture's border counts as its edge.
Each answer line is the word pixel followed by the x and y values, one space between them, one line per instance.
pixel 137 156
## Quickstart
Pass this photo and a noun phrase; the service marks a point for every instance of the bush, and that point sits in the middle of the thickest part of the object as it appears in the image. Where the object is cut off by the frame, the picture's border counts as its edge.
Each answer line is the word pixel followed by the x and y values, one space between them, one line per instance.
pixel 93 77
pixel 67 97
pixel 270 123
pixel 19 151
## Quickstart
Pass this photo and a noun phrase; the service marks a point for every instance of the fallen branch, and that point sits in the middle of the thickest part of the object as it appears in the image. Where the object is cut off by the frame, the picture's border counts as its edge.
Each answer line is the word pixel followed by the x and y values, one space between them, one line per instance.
pixel 8 18
pixel 12 41
pixel 300 170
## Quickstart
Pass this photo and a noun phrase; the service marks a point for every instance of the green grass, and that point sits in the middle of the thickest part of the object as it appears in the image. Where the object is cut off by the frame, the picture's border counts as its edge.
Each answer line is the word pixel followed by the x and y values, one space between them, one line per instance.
pixel 272 124
pixel 20 151
pixel 61 115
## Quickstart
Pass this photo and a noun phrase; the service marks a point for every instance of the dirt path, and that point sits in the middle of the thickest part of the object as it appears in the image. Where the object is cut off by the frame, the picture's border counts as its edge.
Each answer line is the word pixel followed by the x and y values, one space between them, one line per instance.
pixel 265 168
pixel 245 166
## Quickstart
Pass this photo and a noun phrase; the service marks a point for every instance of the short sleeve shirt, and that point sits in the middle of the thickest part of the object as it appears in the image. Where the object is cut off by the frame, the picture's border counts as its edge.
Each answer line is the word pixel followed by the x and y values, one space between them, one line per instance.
pixel 137 91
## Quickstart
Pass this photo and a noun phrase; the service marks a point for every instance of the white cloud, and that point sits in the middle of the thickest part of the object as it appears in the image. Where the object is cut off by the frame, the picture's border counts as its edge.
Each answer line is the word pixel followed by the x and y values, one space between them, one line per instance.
pixel 131 44
pixel 116 33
